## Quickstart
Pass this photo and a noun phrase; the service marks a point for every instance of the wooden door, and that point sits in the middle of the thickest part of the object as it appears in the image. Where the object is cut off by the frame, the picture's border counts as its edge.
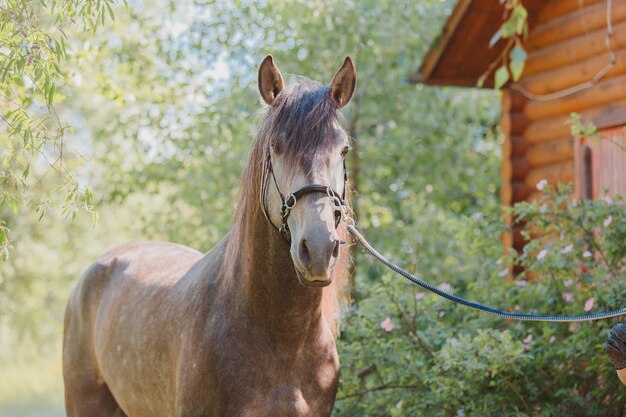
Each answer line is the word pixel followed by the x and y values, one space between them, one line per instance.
pixel 601 164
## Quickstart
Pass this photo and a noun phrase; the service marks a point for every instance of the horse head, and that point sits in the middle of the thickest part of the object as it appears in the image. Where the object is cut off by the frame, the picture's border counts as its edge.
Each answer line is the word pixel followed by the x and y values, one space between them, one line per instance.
pixel 304 186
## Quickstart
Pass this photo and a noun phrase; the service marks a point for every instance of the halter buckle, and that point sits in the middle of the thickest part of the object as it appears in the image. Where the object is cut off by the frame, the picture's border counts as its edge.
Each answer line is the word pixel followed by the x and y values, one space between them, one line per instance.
pixel 287 205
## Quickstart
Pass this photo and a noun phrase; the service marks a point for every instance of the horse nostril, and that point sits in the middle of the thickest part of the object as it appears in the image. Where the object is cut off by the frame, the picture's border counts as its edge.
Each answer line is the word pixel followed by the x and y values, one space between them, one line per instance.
pixel 305 256
pixel 336 249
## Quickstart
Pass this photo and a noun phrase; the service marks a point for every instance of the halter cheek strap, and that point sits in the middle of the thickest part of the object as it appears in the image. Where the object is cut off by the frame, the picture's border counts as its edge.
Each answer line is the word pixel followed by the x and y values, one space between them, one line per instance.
pixel 289 202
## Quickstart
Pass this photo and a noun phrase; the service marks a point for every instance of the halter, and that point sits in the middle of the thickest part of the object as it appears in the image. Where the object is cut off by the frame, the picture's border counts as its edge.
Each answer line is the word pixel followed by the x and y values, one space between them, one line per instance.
pixel 289 202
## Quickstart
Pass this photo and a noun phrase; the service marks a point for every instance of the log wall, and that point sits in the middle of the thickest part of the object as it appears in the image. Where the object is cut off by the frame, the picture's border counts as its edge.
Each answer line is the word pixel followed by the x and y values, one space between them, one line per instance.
pixel 567 47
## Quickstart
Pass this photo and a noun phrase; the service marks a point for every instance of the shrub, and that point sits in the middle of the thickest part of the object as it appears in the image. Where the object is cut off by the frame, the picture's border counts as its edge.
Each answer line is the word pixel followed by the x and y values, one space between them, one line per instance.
pixel 409 353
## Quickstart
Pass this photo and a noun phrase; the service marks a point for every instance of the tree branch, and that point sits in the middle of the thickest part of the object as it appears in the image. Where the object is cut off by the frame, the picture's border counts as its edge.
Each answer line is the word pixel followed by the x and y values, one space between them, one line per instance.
pixel 378 388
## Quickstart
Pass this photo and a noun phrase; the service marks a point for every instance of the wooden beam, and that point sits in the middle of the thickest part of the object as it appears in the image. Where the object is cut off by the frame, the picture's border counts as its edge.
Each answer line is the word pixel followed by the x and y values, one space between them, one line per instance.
pixel 555 173
pixel 432 57
pixel 611 118
pixel 519 145
pixel 518 122
pixel 605 92
pixel 573 75
pixel 519 168
pixel 559 8
pixel 515 147
pixel 550 153
pixel 547 130
pixel 574 24
pixel 518 100
pixel 518 238
pixel 505 128
pixel 515 169
pixel 520 191
pixel 572 51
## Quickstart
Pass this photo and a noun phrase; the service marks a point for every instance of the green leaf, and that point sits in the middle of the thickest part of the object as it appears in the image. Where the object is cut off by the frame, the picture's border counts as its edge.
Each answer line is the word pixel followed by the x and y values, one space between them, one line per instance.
pixel 517 60
pixel 495 38
pixel 88 196
pixel 110 11
pixel 51 92
pixel 481 81
pixel 37 73
pixel 27 137
pixel 521 16
pixel 20 64
pixel 508 28
pixel 501 77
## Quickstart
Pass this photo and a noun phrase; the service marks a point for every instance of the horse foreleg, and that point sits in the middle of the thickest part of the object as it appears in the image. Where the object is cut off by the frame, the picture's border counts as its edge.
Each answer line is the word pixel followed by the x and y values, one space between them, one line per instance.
pixel 90 401
pixel 86 393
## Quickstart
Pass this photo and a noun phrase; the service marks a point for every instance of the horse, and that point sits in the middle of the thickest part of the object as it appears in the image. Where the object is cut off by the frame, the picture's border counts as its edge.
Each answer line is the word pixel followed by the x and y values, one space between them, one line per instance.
pixel 155 329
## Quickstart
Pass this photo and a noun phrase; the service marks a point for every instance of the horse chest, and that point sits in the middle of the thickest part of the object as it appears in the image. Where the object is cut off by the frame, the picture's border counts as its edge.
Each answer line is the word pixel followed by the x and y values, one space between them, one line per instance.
pixel 244 379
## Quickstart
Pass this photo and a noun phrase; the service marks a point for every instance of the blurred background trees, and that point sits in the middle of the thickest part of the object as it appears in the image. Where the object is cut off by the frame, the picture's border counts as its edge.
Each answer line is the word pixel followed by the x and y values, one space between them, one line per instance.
pixel 157 105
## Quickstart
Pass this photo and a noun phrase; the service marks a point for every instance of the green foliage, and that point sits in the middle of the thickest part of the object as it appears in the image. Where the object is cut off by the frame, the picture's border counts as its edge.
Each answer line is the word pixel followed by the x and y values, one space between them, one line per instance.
pixel 589 131
pixel 33 53
pixel 410 353
pixel 576 235
pixel 501 77
pixel 517 59
pixel 514 29
pixel 578 128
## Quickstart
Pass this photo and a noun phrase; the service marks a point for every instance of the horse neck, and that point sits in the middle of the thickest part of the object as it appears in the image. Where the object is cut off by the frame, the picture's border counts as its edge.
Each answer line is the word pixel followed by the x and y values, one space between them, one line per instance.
pixel 264 280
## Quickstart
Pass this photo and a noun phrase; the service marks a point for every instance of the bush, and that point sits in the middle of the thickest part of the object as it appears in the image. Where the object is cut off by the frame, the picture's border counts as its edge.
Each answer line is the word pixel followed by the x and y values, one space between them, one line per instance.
pixel 440 359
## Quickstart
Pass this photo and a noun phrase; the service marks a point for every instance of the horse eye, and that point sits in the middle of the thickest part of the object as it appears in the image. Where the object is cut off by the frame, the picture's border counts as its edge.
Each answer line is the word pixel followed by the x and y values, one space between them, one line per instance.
pixel 345 150
pixel 276 148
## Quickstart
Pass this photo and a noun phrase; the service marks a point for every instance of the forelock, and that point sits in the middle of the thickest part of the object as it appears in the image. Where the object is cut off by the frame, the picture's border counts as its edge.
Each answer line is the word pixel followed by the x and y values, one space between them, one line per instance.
pixel 303 117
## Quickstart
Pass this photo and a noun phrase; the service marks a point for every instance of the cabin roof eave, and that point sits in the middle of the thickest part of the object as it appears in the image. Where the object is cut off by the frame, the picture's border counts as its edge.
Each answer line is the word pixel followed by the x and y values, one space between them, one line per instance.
pixel 461 53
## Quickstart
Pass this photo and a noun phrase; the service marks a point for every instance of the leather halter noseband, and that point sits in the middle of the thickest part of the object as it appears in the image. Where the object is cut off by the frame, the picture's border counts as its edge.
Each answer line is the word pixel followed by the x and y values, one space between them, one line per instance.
pixel 289 202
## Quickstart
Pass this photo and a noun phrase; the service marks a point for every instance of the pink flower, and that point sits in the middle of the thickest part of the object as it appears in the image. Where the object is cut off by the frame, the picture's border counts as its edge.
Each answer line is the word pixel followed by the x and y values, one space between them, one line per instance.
pixel 589 304
pixel 608 221
pixel 568 282
pixel 541 184
pixel 420 295
pixel 445 287
pixel 528 339
pixel 587 254
pixel 552 339
pixel 568 248
pixel 567 296
pixel 521 283
pixel 542 254
pixel 387 325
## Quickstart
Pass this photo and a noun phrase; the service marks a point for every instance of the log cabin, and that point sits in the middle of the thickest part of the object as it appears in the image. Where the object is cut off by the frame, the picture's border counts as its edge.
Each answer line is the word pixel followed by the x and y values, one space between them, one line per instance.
pixel 576 63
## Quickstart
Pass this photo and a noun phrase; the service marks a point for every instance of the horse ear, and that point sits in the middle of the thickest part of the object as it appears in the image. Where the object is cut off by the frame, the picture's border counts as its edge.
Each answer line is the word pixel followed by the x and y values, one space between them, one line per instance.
pixel 270 80
pixel 342 87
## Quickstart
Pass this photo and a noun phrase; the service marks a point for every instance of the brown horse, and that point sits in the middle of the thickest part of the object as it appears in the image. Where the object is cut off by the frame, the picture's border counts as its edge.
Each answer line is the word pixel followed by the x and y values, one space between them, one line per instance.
pixel 158 329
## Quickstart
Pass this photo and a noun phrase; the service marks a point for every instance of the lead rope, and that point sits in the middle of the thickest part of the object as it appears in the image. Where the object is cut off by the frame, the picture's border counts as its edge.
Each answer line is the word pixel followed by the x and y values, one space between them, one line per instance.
pixel 513 316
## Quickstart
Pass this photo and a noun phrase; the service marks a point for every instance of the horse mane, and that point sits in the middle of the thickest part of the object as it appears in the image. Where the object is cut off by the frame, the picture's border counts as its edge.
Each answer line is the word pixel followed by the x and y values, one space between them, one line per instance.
pixel 304 116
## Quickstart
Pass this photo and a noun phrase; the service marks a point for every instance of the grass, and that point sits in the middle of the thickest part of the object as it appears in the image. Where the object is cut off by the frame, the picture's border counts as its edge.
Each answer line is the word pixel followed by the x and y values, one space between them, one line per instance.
pixel 31 385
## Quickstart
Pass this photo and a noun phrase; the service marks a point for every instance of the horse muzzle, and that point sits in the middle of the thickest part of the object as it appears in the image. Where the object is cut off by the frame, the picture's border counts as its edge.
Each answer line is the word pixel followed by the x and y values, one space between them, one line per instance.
pixel 315 255
pixel 312 283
